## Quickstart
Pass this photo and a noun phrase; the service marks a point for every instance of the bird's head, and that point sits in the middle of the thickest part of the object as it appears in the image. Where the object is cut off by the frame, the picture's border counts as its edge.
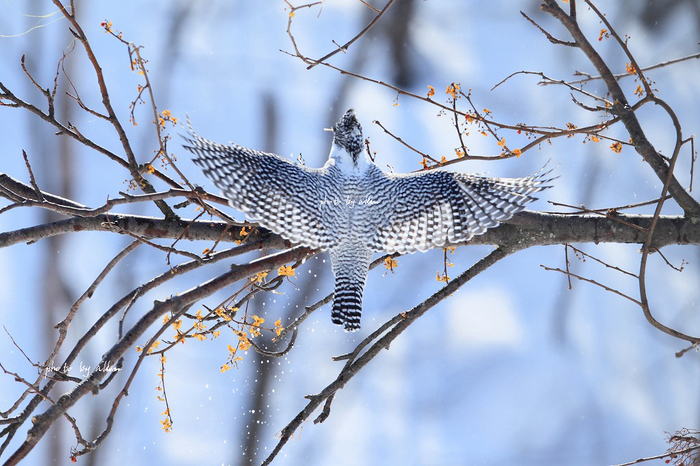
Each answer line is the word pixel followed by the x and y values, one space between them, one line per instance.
pixel 347 134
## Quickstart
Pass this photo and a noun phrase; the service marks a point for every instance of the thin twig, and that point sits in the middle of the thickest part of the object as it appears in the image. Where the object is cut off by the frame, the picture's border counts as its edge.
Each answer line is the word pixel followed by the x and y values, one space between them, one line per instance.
pixel 276 354
pixel 547 80
pixel 578 251
pixel 566 260
pixel 549 37
pixel 584 279
pixel 619 76
pixel 32 180
pixel 685 350
pixel 608 213
pixel 670 454
pixel 422 154
pixel 345 46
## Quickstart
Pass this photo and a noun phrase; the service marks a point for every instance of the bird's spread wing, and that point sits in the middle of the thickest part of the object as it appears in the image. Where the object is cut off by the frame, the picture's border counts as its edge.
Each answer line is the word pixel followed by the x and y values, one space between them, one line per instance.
pixel 429 209
pixel 280 195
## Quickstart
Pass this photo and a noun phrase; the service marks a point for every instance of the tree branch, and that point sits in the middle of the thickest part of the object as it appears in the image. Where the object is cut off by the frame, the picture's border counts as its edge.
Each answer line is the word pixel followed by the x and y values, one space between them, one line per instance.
pixel 622 109
pixel 345 46
pixel 173 305
pixel 407 318
pixel 532 228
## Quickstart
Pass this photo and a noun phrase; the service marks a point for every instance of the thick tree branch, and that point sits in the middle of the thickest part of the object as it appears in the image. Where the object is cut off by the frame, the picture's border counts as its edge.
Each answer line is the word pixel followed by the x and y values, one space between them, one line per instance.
pixel 149 227
pixel 527 228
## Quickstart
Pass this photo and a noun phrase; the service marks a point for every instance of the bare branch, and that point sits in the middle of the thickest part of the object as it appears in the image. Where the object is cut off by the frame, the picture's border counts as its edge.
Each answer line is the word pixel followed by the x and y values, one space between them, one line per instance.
pixel 37 191
pixel 150 227
pixel 422 154
pixel 549 37
pixel 584 279
pixel 619 76
pixel 406 320
pixel 547 80
pixel 173 305
pixel 671 454
pixel 648 244
pixel 623 46
pixel 533 227
pixel 624 111
pixel 345 46
pixel 607 213
pixel 112 116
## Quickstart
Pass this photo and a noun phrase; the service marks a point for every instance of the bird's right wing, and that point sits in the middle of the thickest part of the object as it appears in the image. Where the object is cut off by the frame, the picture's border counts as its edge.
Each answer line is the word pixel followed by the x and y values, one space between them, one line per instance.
pixel 280 195
pixel 425 210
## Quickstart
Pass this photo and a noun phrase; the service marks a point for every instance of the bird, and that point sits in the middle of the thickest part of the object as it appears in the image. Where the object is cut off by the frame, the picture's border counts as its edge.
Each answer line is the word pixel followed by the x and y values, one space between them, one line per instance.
pixel 353 209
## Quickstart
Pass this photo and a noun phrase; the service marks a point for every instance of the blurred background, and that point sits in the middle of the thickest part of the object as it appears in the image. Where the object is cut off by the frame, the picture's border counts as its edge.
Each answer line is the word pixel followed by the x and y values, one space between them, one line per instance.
pixel 514 369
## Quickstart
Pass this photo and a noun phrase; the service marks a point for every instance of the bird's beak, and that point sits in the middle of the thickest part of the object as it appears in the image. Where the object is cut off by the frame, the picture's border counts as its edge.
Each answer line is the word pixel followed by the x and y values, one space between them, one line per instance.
pixel 327 129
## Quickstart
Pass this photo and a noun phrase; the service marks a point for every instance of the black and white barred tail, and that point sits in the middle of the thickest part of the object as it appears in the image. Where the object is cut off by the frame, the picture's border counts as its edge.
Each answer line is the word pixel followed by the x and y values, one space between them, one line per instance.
pixel 350 266
pixel 347 304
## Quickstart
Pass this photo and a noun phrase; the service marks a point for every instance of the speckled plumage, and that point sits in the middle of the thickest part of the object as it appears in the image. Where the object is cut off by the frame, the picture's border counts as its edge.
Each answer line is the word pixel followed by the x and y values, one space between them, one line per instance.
pixel 352 209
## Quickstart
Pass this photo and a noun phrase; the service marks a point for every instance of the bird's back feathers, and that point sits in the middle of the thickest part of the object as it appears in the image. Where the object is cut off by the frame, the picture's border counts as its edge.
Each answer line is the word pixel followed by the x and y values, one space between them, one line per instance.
pixel 351 208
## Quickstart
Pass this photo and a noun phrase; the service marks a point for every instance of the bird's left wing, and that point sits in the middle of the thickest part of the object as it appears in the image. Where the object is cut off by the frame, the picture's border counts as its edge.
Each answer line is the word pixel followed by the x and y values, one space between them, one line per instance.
pixel 424 210
pixel 280 195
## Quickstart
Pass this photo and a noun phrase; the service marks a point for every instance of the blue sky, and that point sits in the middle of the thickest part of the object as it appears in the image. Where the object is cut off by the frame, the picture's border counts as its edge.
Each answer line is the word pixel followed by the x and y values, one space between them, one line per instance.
pixel 512 369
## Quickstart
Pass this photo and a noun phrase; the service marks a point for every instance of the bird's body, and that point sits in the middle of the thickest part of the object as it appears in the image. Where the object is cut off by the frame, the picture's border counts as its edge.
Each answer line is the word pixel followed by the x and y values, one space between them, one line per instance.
pixel 352 209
